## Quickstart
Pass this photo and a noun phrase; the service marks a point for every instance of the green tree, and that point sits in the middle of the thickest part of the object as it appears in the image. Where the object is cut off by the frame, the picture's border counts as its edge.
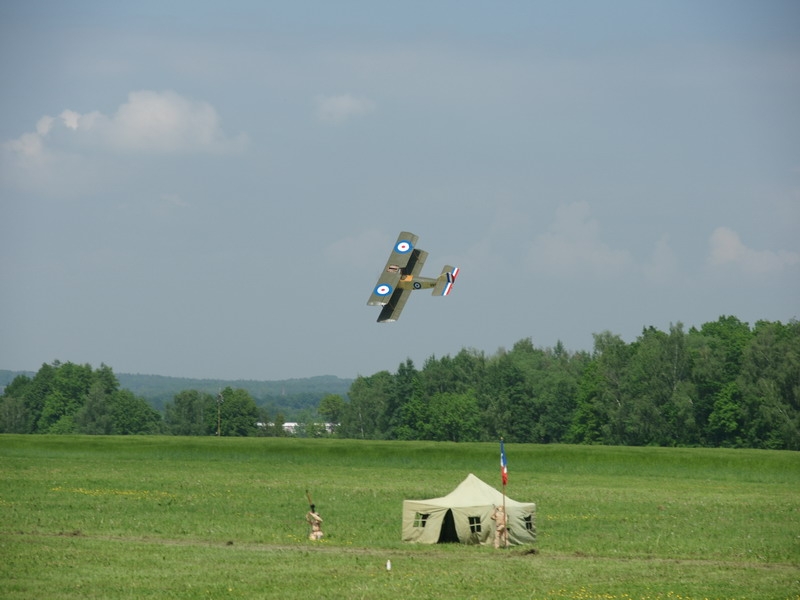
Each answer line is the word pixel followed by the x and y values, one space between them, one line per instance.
pixel 769 382
pixel 13 415
pixel 716 354
pixel 133 416
pixel 590 417
pixel 188 413
pixel 67 398
pixel 658 390
pixel 33 393
pixel 95 416
pixel 64 426
pixel 56 407
pixel 459 374
pixel 554 376
pixel 331 407
pixel 277 425
pixel 413 421
pixel 363 415
pixel 404 385
pixel 238 413
pixel 453 417
pixel 64 397
pixel 505 399
pixel 612 355
pixel 104 376
pixel 726 419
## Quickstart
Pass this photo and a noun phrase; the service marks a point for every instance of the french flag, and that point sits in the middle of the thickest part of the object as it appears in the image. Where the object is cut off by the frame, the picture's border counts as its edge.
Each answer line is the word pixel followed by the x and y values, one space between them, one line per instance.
pixel 503 464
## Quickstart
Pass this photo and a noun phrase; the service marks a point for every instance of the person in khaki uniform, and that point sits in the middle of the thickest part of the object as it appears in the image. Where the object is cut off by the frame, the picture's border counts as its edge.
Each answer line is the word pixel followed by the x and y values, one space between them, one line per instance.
pixel 313 519
pixel 500 527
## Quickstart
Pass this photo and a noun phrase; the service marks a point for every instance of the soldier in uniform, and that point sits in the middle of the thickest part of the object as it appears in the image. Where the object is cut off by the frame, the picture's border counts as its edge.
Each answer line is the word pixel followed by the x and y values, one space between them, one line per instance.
pixel 314 520
pixel 500 527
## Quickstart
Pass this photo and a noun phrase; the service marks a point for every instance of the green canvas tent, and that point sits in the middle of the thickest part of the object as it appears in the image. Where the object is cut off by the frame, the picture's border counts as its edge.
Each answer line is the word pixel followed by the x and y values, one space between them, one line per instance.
pixel 464 515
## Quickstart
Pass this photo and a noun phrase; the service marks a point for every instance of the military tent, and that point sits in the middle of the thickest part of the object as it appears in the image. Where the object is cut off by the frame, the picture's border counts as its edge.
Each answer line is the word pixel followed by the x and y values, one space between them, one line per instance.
pixel 465 515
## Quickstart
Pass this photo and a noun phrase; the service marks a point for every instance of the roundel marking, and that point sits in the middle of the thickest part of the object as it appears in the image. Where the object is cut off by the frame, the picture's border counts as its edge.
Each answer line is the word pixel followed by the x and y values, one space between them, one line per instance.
pixel 383 289
pixel 403 247
pixel 417 285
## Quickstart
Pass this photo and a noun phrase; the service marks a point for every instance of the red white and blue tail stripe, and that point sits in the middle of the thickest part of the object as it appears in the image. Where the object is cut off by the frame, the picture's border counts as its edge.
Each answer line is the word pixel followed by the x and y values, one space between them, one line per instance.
pixel 451 279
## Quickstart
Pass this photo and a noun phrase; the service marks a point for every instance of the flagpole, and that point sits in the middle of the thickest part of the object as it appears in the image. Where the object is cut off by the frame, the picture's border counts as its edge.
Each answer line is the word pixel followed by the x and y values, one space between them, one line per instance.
pixel 504 478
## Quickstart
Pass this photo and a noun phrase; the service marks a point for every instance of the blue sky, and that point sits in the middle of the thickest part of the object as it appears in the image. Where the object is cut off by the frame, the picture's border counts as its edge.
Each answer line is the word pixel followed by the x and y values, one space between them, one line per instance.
pixel 210 189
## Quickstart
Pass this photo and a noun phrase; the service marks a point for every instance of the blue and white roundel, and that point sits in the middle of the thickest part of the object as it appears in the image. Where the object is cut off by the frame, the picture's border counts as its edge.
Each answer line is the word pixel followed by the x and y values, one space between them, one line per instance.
pixel 383 289
pixel 403 247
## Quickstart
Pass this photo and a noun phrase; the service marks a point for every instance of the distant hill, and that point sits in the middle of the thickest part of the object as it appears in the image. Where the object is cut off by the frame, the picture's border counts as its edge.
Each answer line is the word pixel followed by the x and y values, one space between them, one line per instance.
pixel 288 396
pixel 7 377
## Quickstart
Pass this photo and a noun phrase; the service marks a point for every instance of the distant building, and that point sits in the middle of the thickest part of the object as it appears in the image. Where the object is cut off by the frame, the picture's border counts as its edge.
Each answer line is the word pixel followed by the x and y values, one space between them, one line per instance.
pixel 293 428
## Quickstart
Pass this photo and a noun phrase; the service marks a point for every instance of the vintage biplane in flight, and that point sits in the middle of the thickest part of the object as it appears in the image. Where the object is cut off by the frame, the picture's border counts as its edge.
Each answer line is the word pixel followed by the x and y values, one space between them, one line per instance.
pixel 400 277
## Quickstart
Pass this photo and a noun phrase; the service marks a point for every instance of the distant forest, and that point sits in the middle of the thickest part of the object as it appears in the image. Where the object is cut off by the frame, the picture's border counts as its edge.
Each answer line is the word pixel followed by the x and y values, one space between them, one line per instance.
pixel 725 384
pixel 293 398
pixel 290 396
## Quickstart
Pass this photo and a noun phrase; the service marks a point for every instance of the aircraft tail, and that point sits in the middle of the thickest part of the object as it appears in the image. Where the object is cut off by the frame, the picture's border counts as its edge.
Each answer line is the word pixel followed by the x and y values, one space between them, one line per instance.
pixel 445 281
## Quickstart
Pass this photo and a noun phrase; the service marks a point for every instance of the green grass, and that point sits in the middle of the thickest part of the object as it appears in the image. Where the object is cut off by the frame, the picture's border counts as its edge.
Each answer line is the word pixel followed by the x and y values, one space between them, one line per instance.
pixel 127 517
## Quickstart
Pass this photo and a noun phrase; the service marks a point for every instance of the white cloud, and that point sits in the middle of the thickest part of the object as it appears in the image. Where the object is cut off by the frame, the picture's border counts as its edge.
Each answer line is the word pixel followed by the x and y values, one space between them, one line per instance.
pixel 572 245
pixel 43 125
pixel 65 152
pixel 727 249
pixel 337 109
pixel 70 118
pixel 156 122
pixel 29 164
pixel 149 122
pixel 26 145
pixel 166 122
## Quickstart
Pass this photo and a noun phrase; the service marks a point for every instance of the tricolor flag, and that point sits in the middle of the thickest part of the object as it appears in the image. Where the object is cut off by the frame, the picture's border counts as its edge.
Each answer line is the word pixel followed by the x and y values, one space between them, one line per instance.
pixel 503 464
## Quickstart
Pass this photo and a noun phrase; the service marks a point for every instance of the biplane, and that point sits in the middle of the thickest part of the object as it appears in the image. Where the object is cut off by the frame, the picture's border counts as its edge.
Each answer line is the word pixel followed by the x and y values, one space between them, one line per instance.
pixel 401 276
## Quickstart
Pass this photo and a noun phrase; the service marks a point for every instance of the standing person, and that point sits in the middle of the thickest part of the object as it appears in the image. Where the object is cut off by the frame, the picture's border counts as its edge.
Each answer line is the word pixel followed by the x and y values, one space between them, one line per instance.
pixel 500 527
pixel 313 519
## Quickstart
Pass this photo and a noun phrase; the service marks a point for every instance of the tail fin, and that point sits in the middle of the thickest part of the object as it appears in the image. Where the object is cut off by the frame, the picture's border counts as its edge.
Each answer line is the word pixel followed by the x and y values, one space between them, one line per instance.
pixel 445 281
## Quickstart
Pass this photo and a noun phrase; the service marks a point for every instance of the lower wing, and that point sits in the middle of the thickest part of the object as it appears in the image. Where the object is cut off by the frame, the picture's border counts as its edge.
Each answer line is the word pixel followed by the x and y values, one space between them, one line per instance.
pixel 391 311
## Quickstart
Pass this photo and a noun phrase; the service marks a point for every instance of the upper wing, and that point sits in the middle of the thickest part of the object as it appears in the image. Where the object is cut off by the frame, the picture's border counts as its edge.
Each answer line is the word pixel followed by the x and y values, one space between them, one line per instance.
pixel 402 253
pixel 415 263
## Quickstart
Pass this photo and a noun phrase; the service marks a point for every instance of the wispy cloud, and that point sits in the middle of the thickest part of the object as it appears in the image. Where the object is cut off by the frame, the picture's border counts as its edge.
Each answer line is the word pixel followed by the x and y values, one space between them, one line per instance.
pixel 663 265
pixel 572 245
pixel 338 109
pixel 727 250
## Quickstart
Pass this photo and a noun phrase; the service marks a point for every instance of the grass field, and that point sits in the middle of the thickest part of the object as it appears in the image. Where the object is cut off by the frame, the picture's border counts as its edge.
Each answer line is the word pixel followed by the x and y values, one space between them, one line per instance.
pixel 165 517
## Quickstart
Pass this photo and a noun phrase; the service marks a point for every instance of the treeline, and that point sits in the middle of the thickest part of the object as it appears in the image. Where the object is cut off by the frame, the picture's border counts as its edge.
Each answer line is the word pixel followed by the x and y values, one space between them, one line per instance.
pixel 724 384
pixel 70 398
pixel 64 398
